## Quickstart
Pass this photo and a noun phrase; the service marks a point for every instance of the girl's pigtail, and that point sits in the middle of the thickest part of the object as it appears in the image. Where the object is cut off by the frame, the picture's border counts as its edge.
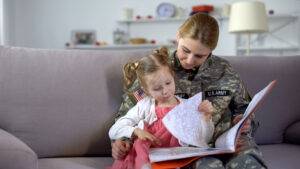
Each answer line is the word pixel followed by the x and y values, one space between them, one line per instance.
pixel 129 74
pixel 165 54
pixel 162 55
pixel 164 51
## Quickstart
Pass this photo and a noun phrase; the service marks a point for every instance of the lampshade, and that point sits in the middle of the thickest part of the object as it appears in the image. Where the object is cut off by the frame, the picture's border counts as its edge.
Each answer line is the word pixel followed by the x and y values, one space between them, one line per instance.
pixel 248 17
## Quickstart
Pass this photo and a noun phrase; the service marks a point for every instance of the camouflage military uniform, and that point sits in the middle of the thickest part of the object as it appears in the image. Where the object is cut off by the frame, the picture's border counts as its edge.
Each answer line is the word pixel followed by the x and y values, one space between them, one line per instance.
pixel 222 86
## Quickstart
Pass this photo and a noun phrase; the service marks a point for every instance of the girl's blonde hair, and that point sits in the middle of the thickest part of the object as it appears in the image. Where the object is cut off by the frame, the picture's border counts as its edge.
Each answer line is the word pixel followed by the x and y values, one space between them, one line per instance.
pixel 144 66
pixel 203 27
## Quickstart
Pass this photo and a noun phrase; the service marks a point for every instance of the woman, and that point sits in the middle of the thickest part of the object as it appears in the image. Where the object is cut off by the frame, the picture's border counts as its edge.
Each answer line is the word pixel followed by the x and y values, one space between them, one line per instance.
pixel 197 70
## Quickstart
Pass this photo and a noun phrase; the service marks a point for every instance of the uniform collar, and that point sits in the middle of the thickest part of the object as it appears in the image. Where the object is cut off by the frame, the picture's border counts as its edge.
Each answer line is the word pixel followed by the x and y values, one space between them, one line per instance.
pixel 207 63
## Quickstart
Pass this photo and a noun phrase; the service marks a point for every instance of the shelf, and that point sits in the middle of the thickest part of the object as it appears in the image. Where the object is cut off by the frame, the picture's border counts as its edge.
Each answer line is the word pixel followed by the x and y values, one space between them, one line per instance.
pixel 273 48
pixel 153 20
pixel 282 16
pixel 129 25
pixel 125 46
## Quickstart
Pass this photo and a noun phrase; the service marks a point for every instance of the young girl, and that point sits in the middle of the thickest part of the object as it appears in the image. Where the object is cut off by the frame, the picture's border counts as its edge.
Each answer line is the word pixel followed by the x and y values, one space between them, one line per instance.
pixel 143 123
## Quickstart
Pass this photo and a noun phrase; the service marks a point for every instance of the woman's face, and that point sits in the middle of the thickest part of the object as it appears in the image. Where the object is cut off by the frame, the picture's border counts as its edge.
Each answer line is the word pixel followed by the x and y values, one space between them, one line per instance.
pixel 191 53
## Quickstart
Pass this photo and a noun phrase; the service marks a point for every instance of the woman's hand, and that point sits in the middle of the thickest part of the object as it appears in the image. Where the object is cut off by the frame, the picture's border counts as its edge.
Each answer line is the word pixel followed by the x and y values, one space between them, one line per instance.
pixel 206 108
pixel 120 148
pixel 246 127
pixel 144 135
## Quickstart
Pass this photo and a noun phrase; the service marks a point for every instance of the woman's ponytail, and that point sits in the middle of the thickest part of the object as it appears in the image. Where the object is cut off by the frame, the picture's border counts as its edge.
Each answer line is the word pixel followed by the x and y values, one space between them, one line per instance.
pixel 129 74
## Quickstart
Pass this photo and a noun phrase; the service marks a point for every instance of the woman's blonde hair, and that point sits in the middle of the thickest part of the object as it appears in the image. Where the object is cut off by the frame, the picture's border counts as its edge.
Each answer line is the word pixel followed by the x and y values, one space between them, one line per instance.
pixel 144 66
pixel 203 27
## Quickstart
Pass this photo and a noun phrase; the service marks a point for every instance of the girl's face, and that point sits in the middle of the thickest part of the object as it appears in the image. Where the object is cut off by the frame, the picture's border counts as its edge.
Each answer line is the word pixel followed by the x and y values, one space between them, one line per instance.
pixel 191 53
pixel 161 86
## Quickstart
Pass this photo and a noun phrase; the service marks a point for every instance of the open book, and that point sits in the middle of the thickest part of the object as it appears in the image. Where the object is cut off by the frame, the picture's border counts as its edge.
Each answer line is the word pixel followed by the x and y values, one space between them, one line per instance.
pixel 177 118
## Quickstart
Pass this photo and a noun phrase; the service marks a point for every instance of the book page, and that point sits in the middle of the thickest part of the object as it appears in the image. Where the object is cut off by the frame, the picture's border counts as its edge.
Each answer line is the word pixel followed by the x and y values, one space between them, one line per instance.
pixel 164 154
pixel 227 139
pixel 224 144
pixel 186 123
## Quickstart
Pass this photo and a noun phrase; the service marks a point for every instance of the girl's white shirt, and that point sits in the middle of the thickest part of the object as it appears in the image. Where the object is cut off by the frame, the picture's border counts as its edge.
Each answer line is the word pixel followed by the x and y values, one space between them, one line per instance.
pixel 144 111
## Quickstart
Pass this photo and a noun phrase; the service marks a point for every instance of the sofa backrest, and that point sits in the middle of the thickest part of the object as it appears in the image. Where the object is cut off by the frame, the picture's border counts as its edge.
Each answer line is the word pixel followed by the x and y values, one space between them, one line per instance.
pixel 281 108
pixel 61 102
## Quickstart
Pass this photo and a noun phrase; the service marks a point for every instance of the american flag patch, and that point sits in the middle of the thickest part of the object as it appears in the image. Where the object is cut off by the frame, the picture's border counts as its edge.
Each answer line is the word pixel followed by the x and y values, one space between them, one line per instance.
pixel 139 95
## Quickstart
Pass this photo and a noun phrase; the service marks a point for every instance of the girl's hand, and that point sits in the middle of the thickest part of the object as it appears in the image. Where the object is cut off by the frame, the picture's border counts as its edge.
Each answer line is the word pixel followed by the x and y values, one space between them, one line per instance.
pixel 206 108
pixel 144 135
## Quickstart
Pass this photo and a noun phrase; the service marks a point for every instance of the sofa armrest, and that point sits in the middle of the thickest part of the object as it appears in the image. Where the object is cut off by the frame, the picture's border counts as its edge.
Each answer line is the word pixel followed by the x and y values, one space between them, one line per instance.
pixel 292 133
pixel 15 154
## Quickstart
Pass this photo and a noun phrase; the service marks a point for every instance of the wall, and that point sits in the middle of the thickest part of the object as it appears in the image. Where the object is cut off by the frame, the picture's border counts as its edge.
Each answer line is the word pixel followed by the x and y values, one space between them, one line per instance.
pixel 9 20
pixel 1 23
pixel 48 23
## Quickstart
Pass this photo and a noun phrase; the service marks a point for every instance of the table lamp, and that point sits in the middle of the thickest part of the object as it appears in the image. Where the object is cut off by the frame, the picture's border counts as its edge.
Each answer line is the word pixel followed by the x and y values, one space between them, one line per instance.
pixel 248 17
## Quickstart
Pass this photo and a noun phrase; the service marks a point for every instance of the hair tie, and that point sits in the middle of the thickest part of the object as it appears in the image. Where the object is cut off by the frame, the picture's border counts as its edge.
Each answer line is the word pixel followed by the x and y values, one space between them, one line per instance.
pixel 136 65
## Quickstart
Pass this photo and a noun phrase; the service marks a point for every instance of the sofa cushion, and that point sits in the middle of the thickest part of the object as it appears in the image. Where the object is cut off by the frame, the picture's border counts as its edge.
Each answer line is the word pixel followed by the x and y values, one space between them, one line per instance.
pixel 280 156
pixel 292 134
pixel 61 102
pixel 75 163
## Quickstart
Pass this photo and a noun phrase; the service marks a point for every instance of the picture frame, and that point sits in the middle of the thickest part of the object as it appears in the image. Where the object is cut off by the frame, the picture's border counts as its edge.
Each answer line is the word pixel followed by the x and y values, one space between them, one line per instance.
pixel 84 37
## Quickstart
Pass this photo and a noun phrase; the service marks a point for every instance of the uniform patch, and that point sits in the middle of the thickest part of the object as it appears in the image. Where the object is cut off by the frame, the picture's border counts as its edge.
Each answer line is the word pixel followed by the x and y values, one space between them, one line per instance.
pixel 137 95
pixel 213 93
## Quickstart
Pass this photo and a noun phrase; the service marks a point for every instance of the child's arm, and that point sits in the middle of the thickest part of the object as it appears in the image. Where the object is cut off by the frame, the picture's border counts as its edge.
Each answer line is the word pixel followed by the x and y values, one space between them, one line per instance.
pixel 144 135
pixel 125 125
